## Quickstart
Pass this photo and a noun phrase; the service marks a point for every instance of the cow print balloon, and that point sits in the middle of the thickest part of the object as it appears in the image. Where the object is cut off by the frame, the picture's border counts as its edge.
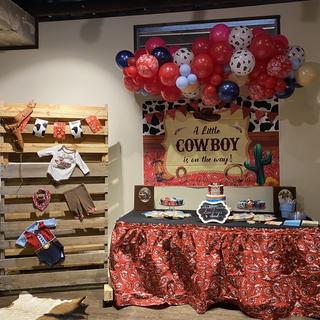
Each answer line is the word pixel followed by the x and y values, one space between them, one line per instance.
pixel 240 37
pixel 242 62
pixel 296 52
pixel 183 56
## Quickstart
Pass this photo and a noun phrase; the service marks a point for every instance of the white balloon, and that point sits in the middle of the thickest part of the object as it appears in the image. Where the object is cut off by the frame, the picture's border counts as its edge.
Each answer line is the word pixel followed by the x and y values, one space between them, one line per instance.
pixel 183 56
pixel 240 37
pixel 296 52
pixel 242 62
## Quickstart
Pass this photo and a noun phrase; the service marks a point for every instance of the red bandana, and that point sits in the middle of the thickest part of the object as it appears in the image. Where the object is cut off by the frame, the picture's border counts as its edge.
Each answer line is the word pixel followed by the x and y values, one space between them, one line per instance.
pixel 41 199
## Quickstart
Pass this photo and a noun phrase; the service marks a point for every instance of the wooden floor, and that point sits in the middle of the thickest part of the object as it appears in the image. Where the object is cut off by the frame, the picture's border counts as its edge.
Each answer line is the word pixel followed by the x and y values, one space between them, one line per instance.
pixel 96 311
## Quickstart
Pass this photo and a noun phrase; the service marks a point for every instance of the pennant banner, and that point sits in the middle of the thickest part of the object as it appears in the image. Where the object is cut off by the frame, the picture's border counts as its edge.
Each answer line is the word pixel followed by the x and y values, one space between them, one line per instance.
pixel 39 128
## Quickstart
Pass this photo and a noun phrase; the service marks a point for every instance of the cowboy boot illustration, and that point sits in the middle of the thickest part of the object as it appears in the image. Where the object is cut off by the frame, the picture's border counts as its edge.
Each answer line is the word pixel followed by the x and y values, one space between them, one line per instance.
pixel 160 171
pixel 17 125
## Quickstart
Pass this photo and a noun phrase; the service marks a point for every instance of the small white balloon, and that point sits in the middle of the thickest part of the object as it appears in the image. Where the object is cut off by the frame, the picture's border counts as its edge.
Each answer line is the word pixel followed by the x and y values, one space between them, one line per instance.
pixel 183 56
pixel 242 62
pixel 240 37
pixel 296 53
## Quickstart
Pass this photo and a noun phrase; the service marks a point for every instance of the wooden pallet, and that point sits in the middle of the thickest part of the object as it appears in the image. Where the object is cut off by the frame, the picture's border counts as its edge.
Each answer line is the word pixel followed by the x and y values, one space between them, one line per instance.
pixel 85 242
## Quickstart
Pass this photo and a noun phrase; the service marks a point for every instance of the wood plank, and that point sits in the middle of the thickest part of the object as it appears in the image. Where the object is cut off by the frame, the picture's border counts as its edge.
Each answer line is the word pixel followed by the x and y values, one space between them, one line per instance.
pixel 100 148
pixel 66 241
pixel 71 245
pixel 54 111
pixel 71 260
pixel 86 130
pixel 39 170
pixel 14 229
pixel 52 279
pixel 27 191
pixel 53 206
pixel 33 216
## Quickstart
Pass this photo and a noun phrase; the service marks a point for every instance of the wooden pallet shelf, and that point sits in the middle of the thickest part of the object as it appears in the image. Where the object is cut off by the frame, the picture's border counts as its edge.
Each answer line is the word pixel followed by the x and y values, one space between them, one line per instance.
pixel 85 243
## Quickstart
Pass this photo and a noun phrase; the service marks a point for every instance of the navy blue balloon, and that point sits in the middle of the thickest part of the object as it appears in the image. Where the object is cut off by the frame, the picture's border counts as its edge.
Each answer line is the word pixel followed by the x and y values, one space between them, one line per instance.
pixel 162 55
pixel 228 91
pixel 290 87
pixel 122 58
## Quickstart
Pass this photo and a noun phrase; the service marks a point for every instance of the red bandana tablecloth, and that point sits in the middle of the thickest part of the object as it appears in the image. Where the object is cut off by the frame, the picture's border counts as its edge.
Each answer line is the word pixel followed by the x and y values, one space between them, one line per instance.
pixel 267 273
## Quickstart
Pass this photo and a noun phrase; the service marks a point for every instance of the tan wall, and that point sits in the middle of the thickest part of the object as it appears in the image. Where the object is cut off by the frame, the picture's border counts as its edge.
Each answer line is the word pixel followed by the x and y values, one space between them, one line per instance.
pixel 75 65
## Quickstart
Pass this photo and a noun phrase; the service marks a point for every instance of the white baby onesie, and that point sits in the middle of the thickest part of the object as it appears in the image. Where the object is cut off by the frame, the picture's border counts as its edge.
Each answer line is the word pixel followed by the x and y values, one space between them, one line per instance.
pixel 63 162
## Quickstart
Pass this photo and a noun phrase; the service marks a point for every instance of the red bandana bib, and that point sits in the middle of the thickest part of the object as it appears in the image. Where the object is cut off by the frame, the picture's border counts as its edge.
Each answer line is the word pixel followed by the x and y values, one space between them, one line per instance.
pixel 41 199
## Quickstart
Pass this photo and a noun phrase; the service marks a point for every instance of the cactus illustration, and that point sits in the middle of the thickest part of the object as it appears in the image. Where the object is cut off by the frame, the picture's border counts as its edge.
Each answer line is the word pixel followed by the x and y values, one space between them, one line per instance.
pixel 260 162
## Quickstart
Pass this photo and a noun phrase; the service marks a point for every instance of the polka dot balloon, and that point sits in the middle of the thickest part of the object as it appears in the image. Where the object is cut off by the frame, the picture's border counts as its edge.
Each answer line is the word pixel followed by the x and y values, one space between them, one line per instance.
pixel 242 62
pixel 296 53
pixel 240 37
pixel 183 56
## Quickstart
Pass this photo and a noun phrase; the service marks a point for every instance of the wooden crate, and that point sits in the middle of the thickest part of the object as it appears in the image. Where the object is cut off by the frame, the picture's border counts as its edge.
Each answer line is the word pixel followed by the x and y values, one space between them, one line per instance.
pixel 22 174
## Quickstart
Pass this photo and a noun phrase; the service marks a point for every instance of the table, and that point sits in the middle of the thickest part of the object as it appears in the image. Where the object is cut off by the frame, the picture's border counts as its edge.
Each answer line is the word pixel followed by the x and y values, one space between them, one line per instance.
pixel 268 272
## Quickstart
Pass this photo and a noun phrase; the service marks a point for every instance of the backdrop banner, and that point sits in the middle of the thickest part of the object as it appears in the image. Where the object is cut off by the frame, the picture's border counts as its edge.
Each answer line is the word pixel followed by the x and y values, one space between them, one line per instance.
pixel 187 144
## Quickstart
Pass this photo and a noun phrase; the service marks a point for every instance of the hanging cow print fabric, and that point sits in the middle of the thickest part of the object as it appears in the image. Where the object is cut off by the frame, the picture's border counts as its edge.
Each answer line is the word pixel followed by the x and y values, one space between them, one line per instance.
pixel 186 143
pixel 39 128
pixel 76 130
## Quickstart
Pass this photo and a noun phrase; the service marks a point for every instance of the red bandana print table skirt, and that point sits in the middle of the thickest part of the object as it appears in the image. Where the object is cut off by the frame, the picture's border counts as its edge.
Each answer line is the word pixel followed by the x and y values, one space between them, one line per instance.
pixel 267 273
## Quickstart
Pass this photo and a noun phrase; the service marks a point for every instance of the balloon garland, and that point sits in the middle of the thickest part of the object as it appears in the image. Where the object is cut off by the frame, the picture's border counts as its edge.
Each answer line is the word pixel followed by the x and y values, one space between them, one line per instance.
pixel 215 69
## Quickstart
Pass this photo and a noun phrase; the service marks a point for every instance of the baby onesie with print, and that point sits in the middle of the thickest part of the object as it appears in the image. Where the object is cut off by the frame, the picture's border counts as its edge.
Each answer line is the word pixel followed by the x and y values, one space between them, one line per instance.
pixel 63 162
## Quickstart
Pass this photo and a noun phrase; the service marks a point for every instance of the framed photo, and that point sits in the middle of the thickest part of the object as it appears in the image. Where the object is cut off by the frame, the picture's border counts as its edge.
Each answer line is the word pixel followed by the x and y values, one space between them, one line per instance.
pixel 282 194
pixel 143 198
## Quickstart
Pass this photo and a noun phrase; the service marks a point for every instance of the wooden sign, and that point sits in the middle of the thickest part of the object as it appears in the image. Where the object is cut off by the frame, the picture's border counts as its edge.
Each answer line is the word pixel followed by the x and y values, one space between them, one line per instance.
pixel 213 212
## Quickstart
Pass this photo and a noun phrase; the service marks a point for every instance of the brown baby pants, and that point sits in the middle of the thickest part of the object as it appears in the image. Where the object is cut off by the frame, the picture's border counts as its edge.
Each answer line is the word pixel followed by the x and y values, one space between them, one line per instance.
pixel 79 201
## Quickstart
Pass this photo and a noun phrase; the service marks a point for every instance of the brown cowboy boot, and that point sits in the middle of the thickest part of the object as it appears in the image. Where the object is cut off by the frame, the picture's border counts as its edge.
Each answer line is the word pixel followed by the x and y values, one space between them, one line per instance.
pixel 161 173
pixel 18 124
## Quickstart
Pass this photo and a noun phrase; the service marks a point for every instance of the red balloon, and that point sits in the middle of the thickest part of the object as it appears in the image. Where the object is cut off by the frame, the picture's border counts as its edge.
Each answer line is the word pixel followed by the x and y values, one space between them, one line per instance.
pixel 258 31
pixel 210 101
pixel 279 66
pixel 147 66
pixel 210 91
pixel 269 92
pixel 256 92
pixel 218 68
pixel 153 87
pixel 216 79
pixel 200 45
pixel 130 71
pixel 280 86
pixel 221 52
pixel 139 81
pixel 270 82
pixel 262 47
pixel 129 84
pixel 202 65
pixel 140 52
pixel 168 74
pixel 219 32
pixel 260 67
pixel 281 38
pixel 132 62
pixel 170 94
pixel 281 44
pixel 173 49
pixel 154 42
pixel 262 78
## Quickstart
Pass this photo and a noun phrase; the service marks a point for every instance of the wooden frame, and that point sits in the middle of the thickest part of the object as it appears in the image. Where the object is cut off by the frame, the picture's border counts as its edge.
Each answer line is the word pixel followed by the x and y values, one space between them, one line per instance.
pixel 22 174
